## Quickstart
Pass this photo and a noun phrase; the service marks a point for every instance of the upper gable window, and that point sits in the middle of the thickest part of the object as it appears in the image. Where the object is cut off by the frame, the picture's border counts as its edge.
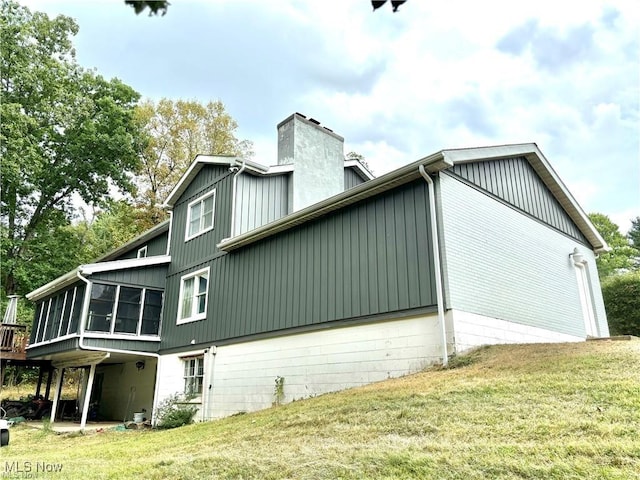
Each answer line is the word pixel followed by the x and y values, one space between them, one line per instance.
pixel 200 215
pixel 142 252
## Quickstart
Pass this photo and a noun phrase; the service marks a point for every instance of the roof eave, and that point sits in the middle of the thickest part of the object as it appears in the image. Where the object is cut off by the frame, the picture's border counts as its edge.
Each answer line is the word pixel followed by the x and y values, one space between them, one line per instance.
pixel 432 163
pixel 548 175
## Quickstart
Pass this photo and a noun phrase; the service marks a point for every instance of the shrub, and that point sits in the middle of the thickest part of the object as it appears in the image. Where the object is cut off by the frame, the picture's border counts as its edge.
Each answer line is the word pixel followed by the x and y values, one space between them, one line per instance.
pixel 175 411
pixel 621 295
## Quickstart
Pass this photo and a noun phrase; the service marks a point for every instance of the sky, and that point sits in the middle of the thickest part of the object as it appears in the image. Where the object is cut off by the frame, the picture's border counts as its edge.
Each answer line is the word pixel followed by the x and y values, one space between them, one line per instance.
pixel 398 86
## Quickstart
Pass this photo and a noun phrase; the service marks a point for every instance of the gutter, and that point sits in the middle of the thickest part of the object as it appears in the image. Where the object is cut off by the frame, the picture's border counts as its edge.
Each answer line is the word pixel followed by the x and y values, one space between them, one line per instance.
pixel 436 261
pixel 435 163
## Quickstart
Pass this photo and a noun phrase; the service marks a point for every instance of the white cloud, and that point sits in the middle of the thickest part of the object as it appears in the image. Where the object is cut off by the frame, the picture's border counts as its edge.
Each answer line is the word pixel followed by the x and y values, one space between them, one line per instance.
pixel 401 86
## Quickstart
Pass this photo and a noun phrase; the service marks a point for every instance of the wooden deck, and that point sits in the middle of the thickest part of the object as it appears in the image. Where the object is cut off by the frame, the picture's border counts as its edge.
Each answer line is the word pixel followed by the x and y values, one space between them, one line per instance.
pixel 13 341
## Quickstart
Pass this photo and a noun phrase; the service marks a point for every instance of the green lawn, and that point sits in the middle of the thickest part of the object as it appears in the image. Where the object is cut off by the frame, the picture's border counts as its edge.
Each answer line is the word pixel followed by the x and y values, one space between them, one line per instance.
pixel 567 411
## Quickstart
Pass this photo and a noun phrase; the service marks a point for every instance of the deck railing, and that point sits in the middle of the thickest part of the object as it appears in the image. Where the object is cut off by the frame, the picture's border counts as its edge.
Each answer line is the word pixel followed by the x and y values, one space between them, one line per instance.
pixel 13 340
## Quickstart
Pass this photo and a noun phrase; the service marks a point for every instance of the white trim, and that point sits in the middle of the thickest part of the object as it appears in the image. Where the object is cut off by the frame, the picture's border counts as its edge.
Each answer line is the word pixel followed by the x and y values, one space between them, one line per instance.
pixel 200 316
pixel 92 268
pixel 53 340
pixel 432 163
pixel 360 167
pixel 142 250
pixel 121 336
pixel 201 199
pixel 546 172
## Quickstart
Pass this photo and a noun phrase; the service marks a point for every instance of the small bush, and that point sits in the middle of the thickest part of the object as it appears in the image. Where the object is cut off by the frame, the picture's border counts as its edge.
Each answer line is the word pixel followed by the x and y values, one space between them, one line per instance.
pixel 175 411
pixel 621 295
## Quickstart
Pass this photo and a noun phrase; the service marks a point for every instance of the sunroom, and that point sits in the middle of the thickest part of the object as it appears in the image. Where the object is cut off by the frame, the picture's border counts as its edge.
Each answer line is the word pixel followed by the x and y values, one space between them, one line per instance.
pixel 100 316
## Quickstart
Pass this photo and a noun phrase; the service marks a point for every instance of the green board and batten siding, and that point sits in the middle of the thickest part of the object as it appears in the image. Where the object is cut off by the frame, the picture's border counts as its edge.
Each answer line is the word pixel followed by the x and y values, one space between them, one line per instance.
pixel 200 249
pixel 514 181
pixel 153 276
pixel 155 246
pixel 367 259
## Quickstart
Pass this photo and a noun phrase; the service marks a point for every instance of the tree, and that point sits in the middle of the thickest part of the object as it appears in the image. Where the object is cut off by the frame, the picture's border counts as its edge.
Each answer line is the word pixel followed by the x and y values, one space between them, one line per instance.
pixel 155 6
pixel 634 233
pixel 65 132
pixel 176 132
pixel 113 226
pixel 621 295
pixel 621 256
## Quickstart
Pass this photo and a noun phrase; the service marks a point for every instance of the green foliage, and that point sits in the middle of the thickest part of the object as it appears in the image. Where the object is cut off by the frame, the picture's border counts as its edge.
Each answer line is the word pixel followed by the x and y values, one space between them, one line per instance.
pixel 118 223
pixel 278 390
pixel 175 133
pixel 65 131
pixel 175 411
pixel 634 234
pixel 621 257
pixel 155 6
pixel 622 300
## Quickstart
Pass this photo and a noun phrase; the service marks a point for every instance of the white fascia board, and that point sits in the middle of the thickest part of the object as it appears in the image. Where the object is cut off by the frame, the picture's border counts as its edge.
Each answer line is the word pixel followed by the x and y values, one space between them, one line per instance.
pixel 60 282
pixel 192 171
pixel 92 268
pixel 432 163
pixel 546 172
pixel 361 168
pixel 88 269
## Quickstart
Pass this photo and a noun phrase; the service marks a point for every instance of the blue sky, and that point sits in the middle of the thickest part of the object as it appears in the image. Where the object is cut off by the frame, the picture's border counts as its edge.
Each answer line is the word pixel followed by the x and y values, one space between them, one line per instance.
pixel 399 86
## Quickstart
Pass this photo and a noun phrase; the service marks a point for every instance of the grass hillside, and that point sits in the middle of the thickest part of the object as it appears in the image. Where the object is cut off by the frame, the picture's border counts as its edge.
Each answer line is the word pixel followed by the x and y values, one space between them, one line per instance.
pixel 564 411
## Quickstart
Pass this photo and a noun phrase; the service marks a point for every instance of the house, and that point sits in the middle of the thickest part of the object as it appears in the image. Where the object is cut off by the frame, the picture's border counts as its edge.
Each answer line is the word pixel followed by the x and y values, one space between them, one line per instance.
pixel 314 272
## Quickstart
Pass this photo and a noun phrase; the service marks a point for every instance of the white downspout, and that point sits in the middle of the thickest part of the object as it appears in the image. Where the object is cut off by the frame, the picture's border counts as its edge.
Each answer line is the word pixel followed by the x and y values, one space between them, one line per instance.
pixel 436 261
pixel 232 230
pixel 82 346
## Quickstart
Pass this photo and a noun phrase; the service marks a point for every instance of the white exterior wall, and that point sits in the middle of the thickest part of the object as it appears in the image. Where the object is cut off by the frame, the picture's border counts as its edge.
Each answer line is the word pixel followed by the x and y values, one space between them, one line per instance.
pixel 126 390
pixel 504 265
pixel 242 376
pixel 471 330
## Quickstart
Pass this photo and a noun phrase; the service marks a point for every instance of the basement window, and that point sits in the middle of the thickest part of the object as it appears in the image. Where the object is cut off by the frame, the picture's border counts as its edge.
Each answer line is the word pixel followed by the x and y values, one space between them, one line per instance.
pixel 200 215
pixel 193 375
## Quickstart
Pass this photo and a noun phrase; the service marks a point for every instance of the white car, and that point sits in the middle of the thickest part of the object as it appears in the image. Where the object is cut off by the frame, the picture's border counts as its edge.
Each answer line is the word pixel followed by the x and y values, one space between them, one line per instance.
pixel 4 429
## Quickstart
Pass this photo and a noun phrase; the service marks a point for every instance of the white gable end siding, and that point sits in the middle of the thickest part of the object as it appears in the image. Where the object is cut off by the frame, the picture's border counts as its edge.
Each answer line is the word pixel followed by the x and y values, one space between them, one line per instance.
pixel 242 376
pixel 502 264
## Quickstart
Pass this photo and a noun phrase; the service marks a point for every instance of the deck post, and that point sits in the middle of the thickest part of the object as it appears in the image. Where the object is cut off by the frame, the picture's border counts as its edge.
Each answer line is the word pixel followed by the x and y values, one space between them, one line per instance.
pixel 56 395
pixel 87 396
pixel 49 378
pixel 39 385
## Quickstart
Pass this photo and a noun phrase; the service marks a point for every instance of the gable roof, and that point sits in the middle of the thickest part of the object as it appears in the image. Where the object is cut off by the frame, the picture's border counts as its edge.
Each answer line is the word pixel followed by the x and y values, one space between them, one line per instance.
pixel 433 163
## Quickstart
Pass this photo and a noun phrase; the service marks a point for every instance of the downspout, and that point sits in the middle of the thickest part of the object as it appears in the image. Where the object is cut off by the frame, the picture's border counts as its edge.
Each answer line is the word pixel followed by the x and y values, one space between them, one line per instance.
pixel 82 346
pixel 233 198
pixel 436 261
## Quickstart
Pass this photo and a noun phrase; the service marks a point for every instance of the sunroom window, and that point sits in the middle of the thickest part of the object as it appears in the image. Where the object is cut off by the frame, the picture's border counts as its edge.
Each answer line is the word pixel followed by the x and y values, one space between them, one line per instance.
pixel 200 215
pixel 193 296
pixel 124 310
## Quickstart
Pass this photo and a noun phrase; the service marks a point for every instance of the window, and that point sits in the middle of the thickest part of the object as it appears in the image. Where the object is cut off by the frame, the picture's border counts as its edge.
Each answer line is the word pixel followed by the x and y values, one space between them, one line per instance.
pixel 142 252
pixel 103 298
pixel 193 375
pixel 192 304
pixel 124 310
pixel 128 310
pixel 200 215
pixel 151 313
